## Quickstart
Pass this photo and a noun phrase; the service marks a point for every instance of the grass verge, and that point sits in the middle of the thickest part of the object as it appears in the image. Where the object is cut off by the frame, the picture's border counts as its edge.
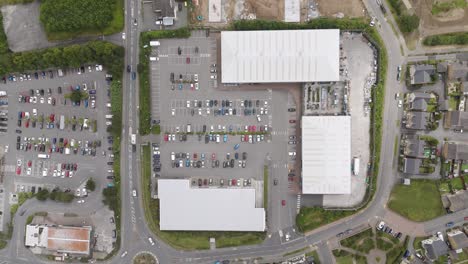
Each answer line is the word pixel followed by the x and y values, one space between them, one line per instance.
pixel 310 218
pixel 457 38
pixel 181 239
pixel 294 252
pixel 418 202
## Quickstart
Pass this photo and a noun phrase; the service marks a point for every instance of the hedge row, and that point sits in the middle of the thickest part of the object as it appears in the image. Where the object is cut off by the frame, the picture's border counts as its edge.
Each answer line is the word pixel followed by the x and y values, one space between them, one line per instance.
pixel 458 38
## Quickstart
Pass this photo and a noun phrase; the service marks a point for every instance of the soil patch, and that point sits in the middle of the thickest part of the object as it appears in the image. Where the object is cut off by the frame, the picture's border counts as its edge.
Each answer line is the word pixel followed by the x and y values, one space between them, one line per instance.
pixel 350 8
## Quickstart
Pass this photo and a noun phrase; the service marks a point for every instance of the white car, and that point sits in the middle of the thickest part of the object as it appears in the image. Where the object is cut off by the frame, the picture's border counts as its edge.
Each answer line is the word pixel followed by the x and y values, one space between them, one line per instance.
pixel 80 201
pixel 173 137
pixel 134 193
pixel 287 237
pixel 19 162
pixel 199 111
pixel 400 103
pixel 124 254
pixel 35 112
pixel 188 103
pixel 28 171
pixel 195 77
pixel 381 225
pixel 177 129
pixel 208 111
pixel 197 87
pixel 54 174
pixel 123 35
pixel 173 112
pixel 151 241
pixel 172 156
pixel 42 100
pixel 49 100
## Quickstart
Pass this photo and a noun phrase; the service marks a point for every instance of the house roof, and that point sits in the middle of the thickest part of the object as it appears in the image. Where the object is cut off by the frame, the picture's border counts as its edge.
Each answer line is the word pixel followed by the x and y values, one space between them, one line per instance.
pixel 456 120
pixel 442 67
pixel 414 148
pixel 411 165
pixel 164 8
pixel 421 73
pixel 435 247
pixel 457 239
pixel 458 201
pixel 455 150
pixel 417 120
pixel 418 105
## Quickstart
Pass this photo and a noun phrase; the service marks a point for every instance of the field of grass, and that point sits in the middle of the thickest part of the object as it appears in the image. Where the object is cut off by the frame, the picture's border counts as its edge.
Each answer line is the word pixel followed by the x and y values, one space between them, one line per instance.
pixel 310 218
pixel 362 242
pixel 383 244
pixel 186 240
pixel 453 103
pixel 445 6
pixel 418 202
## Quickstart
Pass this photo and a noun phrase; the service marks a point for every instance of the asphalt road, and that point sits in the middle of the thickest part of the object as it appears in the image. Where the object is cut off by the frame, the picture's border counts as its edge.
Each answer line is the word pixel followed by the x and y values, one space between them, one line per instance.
pixel 135 233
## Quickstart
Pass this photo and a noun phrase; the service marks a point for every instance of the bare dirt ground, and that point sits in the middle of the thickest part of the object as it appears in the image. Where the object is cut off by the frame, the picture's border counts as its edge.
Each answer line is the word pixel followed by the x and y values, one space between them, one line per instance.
pixel 349 8
pixel 452 21
pixel 266 9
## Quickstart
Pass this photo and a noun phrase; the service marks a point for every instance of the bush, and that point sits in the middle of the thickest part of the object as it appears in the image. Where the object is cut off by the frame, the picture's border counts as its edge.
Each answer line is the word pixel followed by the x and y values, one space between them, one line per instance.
pixel 396 6
pixel 408 23
pixel 76 16
pixel 60 196
pixel 42 195
pixel 91 184
pixel 77 96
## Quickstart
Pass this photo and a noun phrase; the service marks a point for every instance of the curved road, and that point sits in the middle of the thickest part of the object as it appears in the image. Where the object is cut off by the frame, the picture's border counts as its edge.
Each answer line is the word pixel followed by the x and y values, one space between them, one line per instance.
pixel 134 230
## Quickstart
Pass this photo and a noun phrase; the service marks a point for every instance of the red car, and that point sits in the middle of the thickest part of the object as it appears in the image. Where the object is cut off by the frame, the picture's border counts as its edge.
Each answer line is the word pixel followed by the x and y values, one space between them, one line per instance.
pixel 188 60
pixel 75 167
pixel 166 137
pixel 29 163
pixel 195 156
pixel 67 173
pixel 283 202
pixel 292 121
pixel 213 156
pixel 254 128
pixel 27 123
pixel 18 170
pixel 52 117
pixel 234 182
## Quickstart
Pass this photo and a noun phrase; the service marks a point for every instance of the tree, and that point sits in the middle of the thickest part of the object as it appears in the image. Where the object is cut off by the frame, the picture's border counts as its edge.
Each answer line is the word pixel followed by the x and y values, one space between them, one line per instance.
pixel 91 185
pixel 42 195
pixel 408 23
pixel 76 96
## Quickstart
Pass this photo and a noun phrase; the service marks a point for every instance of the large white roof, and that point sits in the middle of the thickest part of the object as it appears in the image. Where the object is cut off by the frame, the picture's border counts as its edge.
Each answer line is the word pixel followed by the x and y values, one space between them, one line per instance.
pixel 280 56
pixel 207 209
pixel 326 154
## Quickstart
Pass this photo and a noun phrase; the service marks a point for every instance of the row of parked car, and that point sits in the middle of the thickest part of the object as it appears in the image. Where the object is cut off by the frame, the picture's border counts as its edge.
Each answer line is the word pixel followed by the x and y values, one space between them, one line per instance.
pixel 387 229
pixel 50 73
pixel 58 145
pixel 228 182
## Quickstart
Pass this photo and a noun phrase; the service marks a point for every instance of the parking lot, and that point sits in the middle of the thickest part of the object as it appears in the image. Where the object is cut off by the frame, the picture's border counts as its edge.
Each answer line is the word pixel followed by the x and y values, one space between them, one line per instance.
pixel 51 140
pixel 219 135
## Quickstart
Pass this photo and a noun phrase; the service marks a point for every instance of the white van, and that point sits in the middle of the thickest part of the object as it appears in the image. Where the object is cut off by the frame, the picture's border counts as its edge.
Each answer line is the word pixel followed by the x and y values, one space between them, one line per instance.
pixel 3 93
pixel 43 156
pixel 109 116
pixel 189 128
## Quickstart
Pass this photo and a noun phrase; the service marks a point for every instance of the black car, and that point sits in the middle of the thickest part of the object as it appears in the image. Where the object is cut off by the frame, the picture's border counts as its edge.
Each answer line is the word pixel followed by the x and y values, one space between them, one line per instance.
pixel 31 92
pixel 110 163
pixel 291 109
pixel 19 122
pixel 257 103
pixel 204 128
pixel 231 163
pixel 42 92
pixel 18 139
pixel 129 68
pixel 110 177
pixel 207 139
pixel 244 155
pixel 18 131
pixel 179 6
pixel 59 90
pixel 179 51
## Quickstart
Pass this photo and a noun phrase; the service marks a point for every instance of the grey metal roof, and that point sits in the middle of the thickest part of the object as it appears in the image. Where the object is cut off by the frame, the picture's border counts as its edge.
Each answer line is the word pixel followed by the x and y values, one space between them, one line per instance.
pixel 280 56
pixel 411 165
pixel 164 8
pixel 326 154
pixel 208 209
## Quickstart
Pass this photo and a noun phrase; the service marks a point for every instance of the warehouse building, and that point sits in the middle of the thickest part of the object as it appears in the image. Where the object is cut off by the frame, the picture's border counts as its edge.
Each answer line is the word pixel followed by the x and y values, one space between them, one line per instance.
pixel 182 207
pixel 326 154
pixel 280 56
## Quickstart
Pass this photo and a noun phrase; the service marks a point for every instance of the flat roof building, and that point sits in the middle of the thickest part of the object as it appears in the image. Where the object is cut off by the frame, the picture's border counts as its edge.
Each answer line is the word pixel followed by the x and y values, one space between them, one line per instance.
pixel 182 207
pixel 280 56
pixel 60 239
pixel 326 154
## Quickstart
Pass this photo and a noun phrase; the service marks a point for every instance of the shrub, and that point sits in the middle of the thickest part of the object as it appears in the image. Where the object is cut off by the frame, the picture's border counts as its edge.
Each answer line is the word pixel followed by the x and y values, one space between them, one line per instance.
pixel 91 184
pixel 408 23
pixel 42 195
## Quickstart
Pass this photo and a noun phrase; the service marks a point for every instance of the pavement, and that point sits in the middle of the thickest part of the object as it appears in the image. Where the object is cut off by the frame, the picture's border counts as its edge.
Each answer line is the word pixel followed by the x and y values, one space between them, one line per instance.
pixel 134 230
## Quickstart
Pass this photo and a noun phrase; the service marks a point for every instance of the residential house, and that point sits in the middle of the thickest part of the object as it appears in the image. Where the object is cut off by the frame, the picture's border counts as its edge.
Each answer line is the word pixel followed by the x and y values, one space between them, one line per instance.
pixel 417 120
pixel 456 202
pixel 442 67
pixel 435 247
pixel 455 151
pixel 413 147
pixel 421 73
pixel 411 165
pixel 458 240
pixel 456 120
pixel 417 101
pixel 166 10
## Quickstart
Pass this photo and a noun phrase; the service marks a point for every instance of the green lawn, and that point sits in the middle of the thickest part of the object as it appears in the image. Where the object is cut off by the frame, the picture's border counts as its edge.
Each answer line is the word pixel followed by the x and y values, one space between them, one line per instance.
pixel 345 260
pixel 457 183
pixel 453 103
pixel 310 218
pixel 186 240
pixel 445 6
pixel 383 244
pixel 418 202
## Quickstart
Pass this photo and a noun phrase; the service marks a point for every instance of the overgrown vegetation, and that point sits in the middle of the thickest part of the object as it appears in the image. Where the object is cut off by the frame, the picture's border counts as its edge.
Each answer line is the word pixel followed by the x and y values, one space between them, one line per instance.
pixel 445 6
pixel 310 218
pixel 64 19
pixel 180 239
pixel 362 242
pixel 406 22
pixel 419 201
pixel 91 185
pixel 457 38
pixel 144 72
